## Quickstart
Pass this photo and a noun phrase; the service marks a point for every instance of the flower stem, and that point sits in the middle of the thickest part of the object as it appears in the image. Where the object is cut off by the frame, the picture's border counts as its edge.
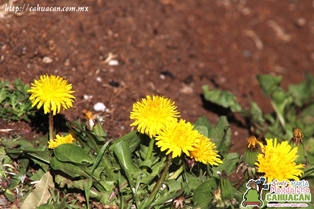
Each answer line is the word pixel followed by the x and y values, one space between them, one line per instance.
pixel 279 115
pixel 157 186
pixel 51 134
pixel 150 149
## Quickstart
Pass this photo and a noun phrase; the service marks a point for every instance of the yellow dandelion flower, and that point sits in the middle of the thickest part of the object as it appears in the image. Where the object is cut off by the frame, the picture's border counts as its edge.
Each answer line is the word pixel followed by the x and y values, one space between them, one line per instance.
pixel 177 137
pixel 68 139
pixel 205 151
pixel 152 113
pixel 278 161
pixel 51 92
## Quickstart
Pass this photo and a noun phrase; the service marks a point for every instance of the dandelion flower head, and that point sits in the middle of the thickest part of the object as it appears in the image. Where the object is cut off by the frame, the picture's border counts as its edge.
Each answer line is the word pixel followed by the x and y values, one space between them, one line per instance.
pixel 278 161
pixel 177 137
pixel 51 92
pixel 68 139
pixel 152 113
pixel 205 151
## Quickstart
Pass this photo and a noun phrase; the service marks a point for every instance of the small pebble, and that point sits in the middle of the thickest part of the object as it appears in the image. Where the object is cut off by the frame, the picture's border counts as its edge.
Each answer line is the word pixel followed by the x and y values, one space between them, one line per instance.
pixel 113 63
pixel 99 79
pixel 99 107
pixel 186 89
pixel 47 60
pixel 87 96
pixel 301 22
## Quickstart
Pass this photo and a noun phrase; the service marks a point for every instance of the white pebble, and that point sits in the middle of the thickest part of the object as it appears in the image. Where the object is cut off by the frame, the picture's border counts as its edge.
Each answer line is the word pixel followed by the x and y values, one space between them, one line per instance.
pixel 186 89
pixel 113 63
pixel 98 79
pixel 88 96
pixel 99 107
pixel 47 60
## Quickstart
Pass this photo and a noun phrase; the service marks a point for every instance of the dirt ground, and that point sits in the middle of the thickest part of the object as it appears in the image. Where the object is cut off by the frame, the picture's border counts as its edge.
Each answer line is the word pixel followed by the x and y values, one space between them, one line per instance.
pixel 119 51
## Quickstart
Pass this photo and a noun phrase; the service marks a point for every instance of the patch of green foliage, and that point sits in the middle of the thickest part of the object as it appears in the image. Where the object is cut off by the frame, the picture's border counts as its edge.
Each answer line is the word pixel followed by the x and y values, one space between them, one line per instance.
pixel 14 101
pixel 115 173
pixel 293 108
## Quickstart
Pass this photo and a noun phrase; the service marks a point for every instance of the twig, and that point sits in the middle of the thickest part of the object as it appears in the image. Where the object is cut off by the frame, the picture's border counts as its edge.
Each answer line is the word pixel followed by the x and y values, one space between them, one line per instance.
pixel 255 38
pixel 5 130
pixel 279 31
pixel 110 57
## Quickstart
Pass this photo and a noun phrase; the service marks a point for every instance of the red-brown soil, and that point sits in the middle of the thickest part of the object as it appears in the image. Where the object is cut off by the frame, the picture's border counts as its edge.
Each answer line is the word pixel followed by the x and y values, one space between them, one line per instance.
pixel 222 43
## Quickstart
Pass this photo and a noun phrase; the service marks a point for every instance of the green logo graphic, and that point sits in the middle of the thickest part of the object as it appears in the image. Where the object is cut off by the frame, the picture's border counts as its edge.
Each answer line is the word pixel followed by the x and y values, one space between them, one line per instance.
pixel 252 196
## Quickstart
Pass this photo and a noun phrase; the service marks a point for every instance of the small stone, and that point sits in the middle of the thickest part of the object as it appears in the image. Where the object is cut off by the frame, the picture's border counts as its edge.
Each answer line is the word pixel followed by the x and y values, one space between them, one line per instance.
pixel 99 79
pixel 88 96
pixel 301 22
pixel 113 63
pixel 186 89
pixel 47 60
pixel 99 107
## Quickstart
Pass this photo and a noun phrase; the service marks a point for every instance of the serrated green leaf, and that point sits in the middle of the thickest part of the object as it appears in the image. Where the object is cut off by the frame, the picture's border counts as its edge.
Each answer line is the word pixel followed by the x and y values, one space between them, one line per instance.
pixel 203 195
pixel 64 182
pixel 71 153
pixel 307 115
pixel 202 121
pixel 192 181
pixel 10 195
pixel 225 99
pixel 256 113
pixel 37 176
pixel 281 98
pixel 221 135
pixel 201 129
pixel 174 189
pixel 228 165
pixel 155 171
pixel 122 152
pixel 72 170
pixel 269 83
pixel 132 139
pixel 86 138
pixel 303 91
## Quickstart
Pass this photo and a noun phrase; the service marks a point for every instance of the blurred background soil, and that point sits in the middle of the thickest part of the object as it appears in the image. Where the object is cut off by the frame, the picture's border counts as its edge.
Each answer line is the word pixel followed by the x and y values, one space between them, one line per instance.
pixel 120 51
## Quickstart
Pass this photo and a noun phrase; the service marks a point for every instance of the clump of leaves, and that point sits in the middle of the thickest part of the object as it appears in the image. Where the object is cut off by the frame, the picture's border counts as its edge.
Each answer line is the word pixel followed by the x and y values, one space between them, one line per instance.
pixel 292 108
pixel 115 173
pixel 14 101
